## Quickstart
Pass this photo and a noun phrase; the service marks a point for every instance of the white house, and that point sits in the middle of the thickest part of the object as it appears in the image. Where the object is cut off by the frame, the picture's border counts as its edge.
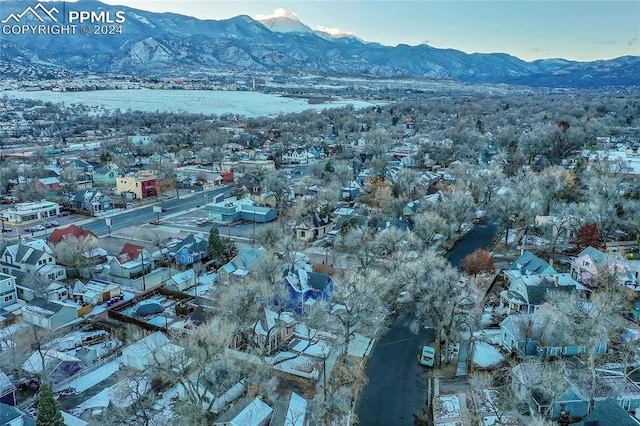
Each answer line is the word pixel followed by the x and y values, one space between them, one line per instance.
pixel 154 348
pixel 34 257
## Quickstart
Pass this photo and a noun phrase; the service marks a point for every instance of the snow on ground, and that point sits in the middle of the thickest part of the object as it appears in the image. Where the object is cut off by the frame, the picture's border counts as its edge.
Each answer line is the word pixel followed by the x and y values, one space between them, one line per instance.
pixel 485 355
pixel 535 240
pixel 494 421
pixel 249 104
pixel 513 234
pixel 6 336
pixel 96 376
pixel 489 335
pixel 446 407
pixel 71 420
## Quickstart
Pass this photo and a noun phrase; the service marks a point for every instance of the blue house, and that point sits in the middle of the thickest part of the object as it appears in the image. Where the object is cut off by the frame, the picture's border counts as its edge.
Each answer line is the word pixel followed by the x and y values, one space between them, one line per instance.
pixel 528 263
pixel 190 250
pixel 574 401
pixel 91 200
pixel 535 335
pixel 608 413
pixel 305 288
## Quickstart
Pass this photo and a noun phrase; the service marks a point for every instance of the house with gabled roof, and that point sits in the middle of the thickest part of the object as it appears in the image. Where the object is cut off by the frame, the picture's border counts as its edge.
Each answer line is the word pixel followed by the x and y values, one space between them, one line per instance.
pixel 90 200
pixel 575 401
pixel 14 416
pixel 272 329
pixel 105 176
pixel 313 226
pixel 49 314
pixel 526 293
pixel 529 263
pixel 240 266
pixel 539 335
pixel 70 234
pixel 608 413
pixel 306 287
pixel 132 261
pixel 31 257
pixel 190 250
pixel 586 266
pixel 154 348
pixel 254 413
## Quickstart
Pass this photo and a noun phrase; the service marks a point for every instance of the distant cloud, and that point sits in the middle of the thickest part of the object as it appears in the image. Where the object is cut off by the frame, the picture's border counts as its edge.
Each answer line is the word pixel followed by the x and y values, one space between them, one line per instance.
pixel 607 42
pixel 335 32
pixel 633 41
pixel 278 13
pixel 539 50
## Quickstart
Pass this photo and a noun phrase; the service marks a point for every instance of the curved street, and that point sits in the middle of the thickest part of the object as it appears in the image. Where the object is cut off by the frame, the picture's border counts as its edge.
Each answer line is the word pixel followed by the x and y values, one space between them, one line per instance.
pixel 397 389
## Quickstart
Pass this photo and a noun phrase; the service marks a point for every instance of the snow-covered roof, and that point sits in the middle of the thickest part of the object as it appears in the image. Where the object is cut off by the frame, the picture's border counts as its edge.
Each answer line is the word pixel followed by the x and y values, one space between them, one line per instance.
pixel 296 411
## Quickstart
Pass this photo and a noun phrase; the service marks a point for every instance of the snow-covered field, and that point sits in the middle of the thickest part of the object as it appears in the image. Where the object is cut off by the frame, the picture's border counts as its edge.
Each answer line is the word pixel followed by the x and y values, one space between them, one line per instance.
pixel 248 104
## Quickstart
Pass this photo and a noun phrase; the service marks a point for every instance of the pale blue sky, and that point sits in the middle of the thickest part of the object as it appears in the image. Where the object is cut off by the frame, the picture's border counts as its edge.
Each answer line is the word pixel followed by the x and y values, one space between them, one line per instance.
pixel 572 29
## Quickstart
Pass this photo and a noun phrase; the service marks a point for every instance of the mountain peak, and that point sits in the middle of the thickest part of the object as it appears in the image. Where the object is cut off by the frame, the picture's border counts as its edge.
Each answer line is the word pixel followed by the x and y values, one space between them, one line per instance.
pixel 282 21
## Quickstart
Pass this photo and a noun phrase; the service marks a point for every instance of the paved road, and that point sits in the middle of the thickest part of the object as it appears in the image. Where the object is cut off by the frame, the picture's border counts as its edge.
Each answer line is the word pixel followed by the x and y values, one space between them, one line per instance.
pixel 397 383
pixel 397 389
pixel 480 236
pixel 143 215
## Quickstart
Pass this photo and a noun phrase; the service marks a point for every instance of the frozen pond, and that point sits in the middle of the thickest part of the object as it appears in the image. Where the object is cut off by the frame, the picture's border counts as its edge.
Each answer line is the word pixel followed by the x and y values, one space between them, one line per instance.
pixel 248 104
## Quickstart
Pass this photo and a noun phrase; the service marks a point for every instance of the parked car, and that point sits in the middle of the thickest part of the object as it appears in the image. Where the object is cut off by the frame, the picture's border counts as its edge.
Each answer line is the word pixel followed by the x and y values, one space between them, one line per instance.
pixel 54 223
pixel 64 213
pixel 427 356
pixel 40 227
pixel 48 225
pixel 202 221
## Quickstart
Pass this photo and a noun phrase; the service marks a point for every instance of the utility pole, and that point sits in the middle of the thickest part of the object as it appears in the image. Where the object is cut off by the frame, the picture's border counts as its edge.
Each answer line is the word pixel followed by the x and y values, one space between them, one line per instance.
pixel 144 283
pixel 253 235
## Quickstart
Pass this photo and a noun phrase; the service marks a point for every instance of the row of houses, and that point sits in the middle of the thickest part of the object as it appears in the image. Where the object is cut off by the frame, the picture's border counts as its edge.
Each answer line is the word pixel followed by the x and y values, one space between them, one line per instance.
pixel 535 331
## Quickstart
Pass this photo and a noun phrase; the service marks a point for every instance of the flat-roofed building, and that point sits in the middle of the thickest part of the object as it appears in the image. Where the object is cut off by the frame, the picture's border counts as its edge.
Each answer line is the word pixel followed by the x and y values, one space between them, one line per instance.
pixel 25 212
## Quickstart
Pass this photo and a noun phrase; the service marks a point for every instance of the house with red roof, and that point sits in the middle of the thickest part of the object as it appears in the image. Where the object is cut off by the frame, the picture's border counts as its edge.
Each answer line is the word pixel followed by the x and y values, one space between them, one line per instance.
pixel 133 261
pixel 71 233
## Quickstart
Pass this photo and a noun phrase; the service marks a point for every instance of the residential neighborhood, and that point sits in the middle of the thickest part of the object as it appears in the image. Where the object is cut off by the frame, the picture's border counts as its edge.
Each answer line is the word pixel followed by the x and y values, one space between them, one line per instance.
pixel 161 268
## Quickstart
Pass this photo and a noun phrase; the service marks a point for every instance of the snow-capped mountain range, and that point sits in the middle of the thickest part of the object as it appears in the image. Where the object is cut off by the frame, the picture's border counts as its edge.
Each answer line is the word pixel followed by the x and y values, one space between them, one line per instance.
pixel 157 44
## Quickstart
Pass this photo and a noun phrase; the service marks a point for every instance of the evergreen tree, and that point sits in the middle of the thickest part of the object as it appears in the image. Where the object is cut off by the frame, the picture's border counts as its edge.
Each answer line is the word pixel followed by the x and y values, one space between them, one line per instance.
pixel 221 250
pixel 215 245
pixel 48 412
